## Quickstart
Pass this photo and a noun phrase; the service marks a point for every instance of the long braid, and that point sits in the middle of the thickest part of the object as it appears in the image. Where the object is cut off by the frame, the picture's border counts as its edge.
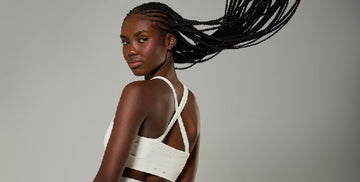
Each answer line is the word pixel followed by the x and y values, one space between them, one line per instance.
pixel 244 24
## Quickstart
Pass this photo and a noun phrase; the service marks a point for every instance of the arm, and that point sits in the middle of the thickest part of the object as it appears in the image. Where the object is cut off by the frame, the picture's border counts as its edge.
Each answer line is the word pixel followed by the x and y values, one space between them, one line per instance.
pixel 189 172
pixel 129 116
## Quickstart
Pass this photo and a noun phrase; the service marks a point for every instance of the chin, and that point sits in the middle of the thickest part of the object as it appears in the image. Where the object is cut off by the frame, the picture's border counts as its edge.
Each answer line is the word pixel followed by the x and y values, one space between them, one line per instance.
pixel 142 72
pixel 137 72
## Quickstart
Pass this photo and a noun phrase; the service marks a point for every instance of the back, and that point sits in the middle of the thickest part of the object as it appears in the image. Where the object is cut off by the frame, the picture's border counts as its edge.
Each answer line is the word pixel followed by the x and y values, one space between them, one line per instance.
pixel 163 106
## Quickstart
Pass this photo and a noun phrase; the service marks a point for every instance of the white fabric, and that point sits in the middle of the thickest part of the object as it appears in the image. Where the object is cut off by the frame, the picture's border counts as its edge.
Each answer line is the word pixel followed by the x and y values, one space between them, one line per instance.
pixel 151 155
pixel 178 111
pixel 125 179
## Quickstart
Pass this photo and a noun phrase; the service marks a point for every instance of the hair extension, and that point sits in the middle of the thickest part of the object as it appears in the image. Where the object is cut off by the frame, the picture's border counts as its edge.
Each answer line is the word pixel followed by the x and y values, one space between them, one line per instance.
pixel 244 24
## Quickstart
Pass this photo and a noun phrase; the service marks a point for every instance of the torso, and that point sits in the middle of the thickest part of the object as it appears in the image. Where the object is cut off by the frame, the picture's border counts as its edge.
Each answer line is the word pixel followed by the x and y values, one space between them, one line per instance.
pixel 156 123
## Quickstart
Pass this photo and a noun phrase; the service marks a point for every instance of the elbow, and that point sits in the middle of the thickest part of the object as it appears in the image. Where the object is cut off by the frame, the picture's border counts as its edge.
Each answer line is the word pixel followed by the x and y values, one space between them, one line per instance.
pixel 105 179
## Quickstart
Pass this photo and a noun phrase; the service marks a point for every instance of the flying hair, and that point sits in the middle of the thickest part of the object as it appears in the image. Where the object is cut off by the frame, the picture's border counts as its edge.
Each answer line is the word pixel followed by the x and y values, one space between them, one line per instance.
pixel 244 24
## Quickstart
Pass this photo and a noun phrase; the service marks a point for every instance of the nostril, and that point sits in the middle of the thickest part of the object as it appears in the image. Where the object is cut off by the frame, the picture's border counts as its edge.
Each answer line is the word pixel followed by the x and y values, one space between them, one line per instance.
pixel 132 52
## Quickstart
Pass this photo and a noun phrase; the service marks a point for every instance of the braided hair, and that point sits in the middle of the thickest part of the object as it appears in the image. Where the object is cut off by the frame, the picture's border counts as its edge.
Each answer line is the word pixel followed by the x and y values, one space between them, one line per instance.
pixel 244 24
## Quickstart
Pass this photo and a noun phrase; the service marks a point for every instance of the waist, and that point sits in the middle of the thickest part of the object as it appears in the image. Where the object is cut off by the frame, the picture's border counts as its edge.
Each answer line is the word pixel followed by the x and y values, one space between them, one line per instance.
pixel 126 179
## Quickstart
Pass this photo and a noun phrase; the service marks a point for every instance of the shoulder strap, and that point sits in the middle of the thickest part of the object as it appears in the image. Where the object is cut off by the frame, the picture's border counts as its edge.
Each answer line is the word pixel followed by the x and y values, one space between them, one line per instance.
pixel 171 86
pixel 177 115
pixel 180 121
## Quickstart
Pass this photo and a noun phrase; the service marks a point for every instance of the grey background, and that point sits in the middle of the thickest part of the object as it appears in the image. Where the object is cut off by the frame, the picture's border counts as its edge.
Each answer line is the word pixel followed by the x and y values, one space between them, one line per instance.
pixel 284 111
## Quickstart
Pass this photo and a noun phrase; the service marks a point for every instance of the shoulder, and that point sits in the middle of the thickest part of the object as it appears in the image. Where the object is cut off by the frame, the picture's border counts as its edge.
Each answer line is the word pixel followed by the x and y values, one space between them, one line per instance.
pixel 191 96
pixel 193 103
pixel 136 101
pixel 194 109
pixel 138 89
pixel 191 116
pixel 144 91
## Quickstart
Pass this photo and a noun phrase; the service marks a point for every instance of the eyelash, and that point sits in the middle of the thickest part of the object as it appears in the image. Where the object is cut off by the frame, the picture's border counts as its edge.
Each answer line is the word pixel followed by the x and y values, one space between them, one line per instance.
pixel 143 39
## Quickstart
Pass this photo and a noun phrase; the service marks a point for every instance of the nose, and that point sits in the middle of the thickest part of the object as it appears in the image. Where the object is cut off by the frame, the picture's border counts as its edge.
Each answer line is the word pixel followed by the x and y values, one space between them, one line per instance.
pixel 132 50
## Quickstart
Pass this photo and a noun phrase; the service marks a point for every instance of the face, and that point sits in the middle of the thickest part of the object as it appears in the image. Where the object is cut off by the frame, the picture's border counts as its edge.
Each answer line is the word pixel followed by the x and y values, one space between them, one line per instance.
pixel 143 44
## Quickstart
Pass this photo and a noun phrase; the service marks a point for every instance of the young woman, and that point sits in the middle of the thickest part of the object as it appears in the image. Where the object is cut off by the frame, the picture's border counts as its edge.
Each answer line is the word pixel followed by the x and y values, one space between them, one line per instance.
pixel 155 132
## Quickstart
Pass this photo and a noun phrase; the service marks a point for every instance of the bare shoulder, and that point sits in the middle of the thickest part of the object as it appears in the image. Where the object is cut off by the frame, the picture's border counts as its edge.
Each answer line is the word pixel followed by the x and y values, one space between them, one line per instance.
pixel 193 105
pixel 137 96
pixel 192 118
pixel 137 87
pixel 192 97
pixel 144 90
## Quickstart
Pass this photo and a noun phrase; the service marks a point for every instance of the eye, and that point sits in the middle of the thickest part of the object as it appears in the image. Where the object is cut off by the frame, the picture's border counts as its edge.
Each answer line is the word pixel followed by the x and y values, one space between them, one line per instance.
pixel 142 40
pixel 125 42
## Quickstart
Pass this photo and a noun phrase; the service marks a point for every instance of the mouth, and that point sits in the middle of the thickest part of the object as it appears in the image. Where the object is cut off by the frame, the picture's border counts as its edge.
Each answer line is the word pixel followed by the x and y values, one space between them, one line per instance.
pixel 134 64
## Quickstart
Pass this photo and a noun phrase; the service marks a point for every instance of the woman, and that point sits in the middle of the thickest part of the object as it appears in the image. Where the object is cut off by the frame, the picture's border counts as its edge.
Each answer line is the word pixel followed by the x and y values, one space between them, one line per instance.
pixel 152 137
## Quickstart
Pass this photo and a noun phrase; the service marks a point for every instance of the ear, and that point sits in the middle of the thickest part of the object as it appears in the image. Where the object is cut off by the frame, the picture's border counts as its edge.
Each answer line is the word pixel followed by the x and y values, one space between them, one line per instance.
pixel 170 41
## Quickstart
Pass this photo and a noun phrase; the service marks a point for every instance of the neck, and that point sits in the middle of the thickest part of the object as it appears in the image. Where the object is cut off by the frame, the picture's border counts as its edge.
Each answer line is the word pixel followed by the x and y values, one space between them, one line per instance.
pixel 166 69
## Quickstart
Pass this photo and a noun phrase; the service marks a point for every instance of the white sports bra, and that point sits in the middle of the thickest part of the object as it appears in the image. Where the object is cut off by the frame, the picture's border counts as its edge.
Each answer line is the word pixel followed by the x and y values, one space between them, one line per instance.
pixel 151 155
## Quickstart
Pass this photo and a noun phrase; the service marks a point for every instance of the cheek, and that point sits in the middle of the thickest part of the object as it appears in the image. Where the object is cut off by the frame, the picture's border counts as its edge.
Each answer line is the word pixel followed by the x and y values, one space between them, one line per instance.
pixel 154 48
pixel 124 52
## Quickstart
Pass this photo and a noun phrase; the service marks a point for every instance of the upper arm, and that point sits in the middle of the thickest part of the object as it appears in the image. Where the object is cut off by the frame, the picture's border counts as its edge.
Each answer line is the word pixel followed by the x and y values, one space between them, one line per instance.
pixel 189 172
pixel 129 116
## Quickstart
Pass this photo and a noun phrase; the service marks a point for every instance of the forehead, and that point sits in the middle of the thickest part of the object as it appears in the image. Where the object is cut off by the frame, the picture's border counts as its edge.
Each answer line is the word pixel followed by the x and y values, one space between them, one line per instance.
pixel 136 23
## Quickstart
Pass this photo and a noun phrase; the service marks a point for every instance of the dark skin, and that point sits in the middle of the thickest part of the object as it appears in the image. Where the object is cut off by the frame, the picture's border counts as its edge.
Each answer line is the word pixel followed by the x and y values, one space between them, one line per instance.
pixel 146 107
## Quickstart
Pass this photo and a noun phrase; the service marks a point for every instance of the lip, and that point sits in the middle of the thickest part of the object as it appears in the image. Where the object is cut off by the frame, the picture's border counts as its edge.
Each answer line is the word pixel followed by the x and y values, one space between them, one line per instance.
pixel 134 64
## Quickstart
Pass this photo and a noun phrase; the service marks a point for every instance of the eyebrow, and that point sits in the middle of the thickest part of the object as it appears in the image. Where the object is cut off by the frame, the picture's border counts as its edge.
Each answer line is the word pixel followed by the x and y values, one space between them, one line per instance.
pixel 135 35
